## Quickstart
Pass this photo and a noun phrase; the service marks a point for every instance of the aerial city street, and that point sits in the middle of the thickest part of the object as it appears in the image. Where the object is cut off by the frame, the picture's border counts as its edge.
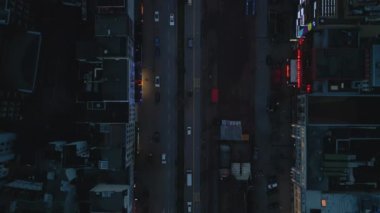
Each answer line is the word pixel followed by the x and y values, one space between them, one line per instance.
pixel 193 106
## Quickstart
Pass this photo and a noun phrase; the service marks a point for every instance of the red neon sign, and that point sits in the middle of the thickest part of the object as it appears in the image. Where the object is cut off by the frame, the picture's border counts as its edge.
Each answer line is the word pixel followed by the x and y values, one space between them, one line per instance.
pixel 287 71
pixel 308 88
pixel 299 74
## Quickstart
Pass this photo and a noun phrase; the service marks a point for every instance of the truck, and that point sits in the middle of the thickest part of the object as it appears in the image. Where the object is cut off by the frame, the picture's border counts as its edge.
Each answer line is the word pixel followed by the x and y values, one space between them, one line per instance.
pixel 224 161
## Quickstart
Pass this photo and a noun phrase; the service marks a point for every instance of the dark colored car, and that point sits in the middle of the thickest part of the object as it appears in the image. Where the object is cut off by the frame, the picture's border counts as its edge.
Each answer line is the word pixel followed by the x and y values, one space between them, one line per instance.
pixel 157 97
pixel 156 137
pixel 190 43
pixel 156 41
pixel 157 46
pixel 272 184
pixel 272 103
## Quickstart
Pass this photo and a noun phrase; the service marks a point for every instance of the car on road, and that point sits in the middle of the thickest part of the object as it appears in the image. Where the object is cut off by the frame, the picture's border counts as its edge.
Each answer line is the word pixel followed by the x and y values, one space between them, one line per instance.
pixel 156 137
pixel 157 81
pixel 190 42
pixel 189 177
pixel 171 19
pixel 163 158
pixel 156 16
pixel 189 206
pixel 157 46
pixel 188 130
pixel 256 153
pixel 157 97
pixel 272 184
pixel 272 103
pixel 157 41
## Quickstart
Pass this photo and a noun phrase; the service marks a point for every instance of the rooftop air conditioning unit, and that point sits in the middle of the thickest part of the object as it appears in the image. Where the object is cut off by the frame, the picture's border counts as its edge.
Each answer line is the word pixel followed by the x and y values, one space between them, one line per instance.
pixel 103 164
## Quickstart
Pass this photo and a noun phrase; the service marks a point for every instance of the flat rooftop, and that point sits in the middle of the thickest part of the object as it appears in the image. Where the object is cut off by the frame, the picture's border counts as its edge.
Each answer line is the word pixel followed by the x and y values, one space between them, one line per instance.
pixel 344 110
pixel 338 64
pixel 115 25
pixel 19 60
pixel 102 46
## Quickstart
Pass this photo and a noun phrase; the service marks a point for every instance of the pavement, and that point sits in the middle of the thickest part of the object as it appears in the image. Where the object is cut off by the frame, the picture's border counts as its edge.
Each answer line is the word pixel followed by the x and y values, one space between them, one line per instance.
pixel 155 180
pixel 272 130
pixel 235 55
pixel 192 58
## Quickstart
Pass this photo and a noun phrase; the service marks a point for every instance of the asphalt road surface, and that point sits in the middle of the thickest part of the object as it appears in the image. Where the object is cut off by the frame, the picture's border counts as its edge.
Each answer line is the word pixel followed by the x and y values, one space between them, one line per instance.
pixel 154 177
pixel 192 107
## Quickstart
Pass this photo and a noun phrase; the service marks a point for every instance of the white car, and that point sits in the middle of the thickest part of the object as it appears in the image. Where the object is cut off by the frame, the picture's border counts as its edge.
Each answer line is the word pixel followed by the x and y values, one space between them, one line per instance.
pixel 188 130
pixel 171 19
pixel 156 16
pixel 189 204
pixel 163 158
pixel 157 81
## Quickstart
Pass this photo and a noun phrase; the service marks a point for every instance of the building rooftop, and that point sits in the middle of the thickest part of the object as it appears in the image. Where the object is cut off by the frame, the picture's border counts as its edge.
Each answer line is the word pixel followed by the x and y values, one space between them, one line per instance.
pixel 231 130
pixel 241 171
pixel 338 64
pixel 108 82
pixel 110 3
pixel 103 112
pixel 115 86
pixel 357 110
pixel 341 203
pixel 102 47
pixel 375 66
pixel 27 185
pixel 342 159
pixel 111 25
pixel 24 50
pixel 110 188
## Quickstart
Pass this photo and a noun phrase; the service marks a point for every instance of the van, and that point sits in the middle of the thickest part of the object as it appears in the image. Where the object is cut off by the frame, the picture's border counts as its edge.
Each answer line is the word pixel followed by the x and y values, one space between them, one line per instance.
pixel 189 178
pixel 189 2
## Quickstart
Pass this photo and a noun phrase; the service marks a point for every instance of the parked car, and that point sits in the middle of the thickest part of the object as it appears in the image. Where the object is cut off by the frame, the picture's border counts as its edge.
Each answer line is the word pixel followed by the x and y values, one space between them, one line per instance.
pixel 189 206
pixel 156 16
pixel 188 130
pixel 171 19
pixel 272 103
pixel 157 81
pixel 163 158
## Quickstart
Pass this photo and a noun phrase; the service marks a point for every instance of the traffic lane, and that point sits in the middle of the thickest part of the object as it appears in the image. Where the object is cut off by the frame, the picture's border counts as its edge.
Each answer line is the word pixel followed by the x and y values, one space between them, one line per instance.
pixel 196 57
pixel 168 126
pixel 169 112
pixel 148 32
pixel 261 18
pixel 262 132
